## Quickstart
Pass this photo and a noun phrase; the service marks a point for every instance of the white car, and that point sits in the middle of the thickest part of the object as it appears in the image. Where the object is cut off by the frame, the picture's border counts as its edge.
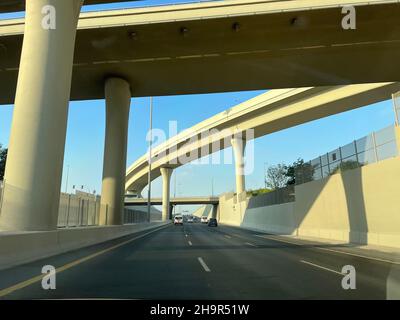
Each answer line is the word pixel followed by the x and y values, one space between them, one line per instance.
pixel 190 219
pixel 178 220
pixel 204 219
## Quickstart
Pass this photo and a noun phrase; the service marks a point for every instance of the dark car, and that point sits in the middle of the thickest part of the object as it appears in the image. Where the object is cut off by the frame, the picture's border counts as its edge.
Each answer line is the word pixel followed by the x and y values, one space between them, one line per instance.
pixel 213 222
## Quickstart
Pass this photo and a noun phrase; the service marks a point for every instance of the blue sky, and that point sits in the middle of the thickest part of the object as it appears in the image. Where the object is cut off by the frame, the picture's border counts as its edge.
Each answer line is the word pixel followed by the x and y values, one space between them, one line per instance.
pixel 86 125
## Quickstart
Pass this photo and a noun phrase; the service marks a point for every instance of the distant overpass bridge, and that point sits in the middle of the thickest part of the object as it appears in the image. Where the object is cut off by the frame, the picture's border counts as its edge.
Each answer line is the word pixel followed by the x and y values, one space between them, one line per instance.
pixel 173 201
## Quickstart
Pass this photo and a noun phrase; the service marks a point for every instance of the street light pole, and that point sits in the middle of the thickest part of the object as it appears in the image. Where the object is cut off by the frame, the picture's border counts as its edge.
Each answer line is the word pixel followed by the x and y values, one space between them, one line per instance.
pixel 66 182
pixel 265 176
pixel 149 174
pixel 174 190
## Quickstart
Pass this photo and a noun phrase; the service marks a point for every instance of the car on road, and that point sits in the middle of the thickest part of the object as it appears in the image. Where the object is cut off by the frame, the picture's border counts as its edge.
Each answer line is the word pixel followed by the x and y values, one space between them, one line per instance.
pixel 178 220
pixel 190 219
pixel 213 222
pixel 204 219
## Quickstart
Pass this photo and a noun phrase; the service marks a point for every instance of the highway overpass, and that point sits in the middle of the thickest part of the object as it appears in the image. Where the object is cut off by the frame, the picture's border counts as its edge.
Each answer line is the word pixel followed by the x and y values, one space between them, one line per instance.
pixel 19 5
pixel 173 201
pixel 168 204
pixel 202 47
pixel 215 46
pixel 267 113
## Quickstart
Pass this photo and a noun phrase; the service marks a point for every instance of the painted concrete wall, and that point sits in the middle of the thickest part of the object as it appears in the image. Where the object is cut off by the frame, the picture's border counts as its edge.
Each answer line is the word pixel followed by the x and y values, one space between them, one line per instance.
pixel 21 247
pixel 203 211
pixel 360 206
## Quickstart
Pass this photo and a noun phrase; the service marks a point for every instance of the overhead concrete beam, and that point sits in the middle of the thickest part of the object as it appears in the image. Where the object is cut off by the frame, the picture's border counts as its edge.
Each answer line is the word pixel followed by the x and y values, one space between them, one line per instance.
pixel 268 48
pixel 19 5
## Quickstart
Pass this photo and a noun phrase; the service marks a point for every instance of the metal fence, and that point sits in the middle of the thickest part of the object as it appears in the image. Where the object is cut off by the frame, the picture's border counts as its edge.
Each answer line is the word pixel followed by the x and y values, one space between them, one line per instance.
pixel 77 210
pixel 134 216
pixel 278 196
pixel 396 106
pixel 375 147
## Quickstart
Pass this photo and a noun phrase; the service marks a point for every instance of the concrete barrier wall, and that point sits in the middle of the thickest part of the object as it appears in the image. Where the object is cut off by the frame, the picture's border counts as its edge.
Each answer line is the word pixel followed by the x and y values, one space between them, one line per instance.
pixel 22 247
pixel 278 219
pixel 360 206
pixel 203 211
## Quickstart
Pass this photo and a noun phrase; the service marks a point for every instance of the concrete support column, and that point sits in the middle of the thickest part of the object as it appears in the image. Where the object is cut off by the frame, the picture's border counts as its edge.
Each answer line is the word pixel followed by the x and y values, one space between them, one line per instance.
pixel 36 150
pixel 118 99
pixel 166 176
pixel 238 146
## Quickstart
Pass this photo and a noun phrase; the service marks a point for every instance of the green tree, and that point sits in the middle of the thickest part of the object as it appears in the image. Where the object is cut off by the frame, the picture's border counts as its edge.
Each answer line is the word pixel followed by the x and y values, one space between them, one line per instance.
pixel 276 176
pixel 256 192
pixel 299 172
pixel 3 158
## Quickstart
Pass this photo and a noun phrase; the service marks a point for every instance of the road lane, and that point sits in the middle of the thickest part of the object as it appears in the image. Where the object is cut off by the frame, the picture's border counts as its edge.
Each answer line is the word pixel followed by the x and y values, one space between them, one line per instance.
pixel 371 274
pixel 195 261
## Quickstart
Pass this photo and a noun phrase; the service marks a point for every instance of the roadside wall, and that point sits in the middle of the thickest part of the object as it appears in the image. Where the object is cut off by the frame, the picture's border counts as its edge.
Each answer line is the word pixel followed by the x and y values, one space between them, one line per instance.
pixel 22 247
pixel 360 206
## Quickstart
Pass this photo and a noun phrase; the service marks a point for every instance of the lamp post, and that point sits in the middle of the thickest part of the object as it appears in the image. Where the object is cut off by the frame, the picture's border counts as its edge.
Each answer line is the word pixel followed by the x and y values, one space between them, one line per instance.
pixel 149 173
pixel 66 180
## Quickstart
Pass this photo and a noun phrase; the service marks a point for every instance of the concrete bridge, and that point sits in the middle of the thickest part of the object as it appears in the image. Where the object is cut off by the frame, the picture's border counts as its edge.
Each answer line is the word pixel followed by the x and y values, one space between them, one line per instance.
pixel 267 113
pixel 172 201
pixel 214 201
pixel 180 49
pixel 175 49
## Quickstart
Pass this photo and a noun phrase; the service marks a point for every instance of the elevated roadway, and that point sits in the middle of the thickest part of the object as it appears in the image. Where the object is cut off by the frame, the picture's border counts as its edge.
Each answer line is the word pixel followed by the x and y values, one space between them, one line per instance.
pixel 267 113
pixel 173 201
pixel 221 46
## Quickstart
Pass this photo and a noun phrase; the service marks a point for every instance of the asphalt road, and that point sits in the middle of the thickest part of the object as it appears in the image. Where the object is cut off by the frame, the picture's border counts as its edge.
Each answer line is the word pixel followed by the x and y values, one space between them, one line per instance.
pixel 199 262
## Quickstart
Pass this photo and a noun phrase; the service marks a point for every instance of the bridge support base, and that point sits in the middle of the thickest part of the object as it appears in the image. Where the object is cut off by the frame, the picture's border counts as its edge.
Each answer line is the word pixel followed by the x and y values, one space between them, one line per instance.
pixel 36 150
pixel 166 176
pixel 118 98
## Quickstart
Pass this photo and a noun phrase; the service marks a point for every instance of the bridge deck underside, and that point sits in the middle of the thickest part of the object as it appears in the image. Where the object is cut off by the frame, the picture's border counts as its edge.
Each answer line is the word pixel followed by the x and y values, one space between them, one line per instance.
pixel 280 50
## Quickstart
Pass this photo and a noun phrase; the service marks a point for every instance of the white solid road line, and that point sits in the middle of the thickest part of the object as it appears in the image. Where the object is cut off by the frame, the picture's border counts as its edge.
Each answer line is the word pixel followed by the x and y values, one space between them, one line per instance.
pixel 226 236
pixel 190 243
pixel 250 244
pixel 203 264
pixel 321 267
pixel 332 250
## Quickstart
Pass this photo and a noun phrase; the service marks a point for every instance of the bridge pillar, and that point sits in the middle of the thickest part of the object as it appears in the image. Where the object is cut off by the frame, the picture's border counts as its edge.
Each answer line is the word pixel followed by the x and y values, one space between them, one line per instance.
pixel 166 176
pixel 36 150
pixel 238 146
pixel 118 99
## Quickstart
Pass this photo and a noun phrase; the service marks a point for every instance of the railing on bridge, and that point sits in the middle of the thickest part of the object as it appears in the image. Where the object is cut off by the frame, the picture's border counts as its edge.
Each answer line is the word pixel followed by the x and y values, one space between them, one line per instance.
pixel 375 147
